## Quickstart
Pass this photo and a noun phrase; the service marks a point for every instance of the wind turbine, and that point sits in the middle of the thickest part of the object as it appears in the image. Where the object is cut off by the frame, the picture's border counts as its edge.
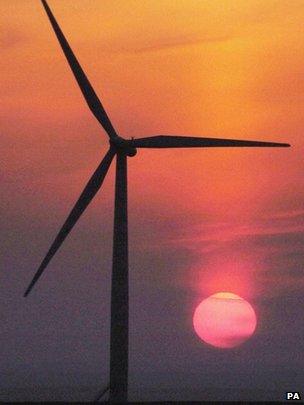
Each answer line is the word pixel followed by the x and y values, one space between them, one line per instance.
pixel 122 149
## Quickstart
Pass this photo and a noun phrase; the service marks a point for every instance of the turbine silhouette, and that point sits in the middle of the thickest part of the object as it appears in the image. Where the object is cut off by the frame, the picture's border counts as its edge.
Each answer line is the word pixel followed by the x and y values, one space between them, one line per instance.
pixel 121 148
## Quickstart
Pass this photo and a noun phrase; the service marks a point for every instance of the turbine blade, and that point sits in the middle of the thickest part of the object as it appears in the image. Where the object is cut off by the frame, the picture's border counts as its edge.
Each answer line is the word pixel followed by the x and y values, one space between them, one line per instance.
pixel 82 80
pixel 85 198
pixel 165 141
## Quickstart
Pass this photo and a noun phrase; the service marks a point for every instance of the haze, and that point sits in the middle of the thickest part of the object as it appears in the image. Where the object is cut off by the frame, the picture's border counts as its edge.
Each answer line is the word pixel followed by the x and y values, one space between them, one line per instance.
pixel 212 68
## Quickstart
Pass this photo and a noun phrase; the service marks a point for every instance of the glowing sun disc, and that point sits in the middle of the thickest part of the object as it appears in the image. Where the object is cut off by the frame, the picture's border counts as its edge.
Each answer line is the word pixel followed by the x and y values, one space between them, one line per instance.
pixel 224 320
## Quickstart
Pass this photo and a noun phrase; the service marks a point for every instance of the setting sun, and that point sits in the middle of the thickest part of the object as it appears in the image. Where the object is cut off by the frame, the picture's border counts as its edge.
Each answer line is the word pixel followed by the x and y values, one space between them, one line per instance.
pixel 224 320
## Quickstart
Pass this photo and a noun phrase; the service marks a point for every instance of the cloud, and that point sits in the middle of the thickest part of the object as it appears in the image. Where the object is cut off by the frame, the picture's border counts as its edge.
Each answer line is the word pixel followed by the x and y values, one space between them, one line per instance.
pixel 283 223
pixel 12 38
pixel 172 43
pixel 251 259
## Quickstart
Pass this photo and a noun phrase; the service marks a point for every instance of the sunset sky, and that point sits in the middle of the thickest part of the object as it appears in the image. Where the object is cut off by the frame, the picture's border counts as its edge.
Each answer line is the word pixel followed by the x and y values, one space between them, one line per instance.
pixel 200 221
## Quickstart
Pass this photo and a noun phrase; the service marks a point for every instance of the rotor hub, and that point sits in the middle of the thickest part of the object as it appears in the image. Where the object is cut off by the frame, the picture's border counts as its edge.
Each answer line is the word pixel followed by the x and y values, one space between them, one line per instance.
pixel 123 146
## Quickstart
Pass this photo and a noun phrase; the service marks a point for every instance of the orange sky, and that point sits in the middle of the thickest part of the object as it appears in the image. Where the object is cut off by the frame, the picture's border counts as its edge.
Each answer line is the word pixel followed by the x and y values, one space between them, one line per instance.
pixel 215 68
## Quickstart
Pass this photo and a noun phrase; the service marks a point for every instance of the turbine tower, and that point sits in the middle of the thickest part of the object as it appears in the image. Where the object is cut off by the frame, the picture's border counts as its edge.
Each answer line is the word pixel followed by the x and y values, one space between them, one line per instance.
pixel 121 149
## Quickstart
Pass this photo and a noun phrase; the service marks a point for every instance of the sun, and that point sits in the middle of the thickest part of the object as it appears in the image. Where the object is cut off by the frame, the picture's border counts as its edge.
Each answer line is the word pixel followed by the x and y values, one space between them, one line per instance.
pixel 224 320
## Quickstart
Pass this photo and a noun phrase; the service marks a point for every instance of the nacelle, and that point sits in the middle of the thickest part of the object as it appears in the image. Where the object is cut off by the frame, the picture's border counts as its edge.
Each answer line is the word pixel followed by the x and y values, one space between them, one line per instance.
pixel 123 145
